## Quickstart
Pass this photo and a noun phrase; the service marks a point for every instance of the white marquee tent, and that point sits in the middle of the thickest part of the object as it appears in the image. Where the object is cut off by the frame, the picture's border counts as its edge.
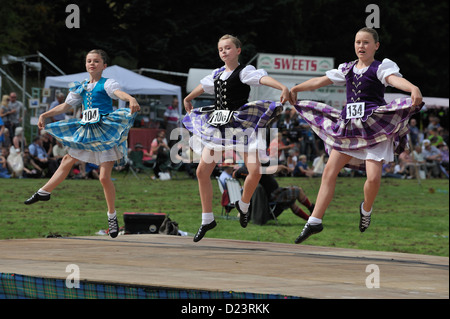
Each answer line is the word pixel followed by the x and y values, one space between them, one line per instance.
pixel 131 83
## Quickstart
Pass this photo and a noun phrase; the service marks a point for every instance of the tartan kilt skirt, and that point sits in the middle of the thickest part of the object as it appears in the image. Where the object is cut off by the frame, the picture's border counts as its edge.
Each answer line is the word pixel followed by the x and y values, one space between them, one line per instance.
pixel 112 130
pixel 388 121
pixel 240 133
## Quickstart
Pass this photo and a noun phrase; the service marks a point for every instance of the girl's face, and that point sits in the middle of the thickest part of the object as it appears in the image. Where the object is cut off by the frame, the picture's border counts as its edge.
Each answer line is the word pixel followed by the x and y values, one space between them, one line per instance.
pixel 94 63
pixel 228 51
pixel 365 46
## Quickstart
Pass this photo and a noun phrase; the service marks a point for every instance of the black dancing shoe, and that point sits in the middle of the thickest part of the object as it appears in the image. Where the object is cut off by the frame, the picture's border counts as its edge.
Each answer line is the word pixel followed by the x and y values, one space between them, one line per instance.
pixel 243 217
pixel 36 197
pixel 203 229
pixel 364 221
pixel 307 231
pixel 113 225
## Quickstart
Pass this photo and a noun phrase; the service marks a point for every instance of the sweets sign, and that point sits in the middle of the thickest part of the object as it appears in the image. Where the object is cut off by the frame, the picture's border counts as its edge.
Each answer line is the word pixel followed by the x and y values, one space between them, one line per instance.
pixel 294 64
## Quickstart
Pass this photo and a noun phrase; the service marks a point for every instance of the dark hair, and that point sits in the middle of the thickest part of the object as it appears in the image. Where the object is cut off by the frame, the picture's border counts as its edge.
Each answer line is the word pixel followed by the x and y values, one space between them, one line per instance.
pixel 102 53
pixel 372 31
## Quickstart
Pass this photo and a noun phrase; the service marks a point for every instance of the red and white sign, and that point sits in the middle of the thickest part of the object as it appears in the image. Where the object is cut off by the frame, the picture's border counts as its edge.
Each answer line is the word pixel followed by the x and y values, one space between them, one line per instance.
pixel 290 64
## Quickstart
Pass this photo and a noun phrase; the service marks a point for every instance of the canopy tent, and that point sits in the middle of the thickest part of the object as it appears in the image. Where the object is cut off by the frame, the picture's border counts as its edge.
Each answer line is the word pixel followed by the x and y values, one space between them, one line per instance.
pixel 131 83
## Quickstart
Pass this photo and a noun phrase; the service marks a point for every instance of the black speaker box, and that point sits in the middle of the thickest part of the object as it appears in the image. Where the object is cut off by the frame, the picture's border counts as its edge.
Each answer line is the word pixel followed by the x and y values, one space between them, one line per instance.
pixel 143 223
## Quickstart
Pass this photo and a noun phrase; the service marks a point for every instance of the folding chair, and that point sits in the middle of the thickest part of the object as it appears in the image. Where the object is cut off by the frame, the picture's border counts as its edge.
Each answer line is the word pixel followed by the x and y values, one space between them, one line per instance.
pixel 234 190
pixel 272 206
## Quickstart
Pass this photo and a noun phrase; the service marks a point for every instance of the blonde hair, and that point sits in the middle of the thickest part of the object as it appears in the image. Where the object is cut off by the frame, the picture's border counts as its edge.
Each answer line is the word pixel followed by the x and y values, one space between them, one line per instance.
pixel 4 99
pixel 233 39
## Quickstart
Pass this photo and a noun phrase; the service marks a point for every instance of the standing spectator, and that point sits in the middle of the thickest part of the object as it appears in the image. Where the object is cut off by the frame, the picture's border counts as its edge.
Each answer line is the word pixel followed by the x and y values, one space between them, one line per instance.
pixel 2 132
pixel 172 119
pixel 277 148
pixel 5 112
pixel 18 112
pixel 59 100
pixel 414 131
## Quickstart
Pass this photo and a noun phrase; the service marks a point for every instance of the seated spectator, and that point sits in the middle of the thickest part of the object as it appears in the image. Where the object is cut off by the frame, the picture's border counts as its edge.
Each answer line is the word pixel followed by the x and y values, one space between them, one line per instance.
pixel 302 169
pixel 18 139
pixel 136 156
pixel 227 172
pixel 40 156
pixel 292 160
pixel 30 168
pixel 277 148
pixel 419 159
pixel 4 173
pixel 59 151
pixel 407 164
pixel 284 197
pixel 432 157
pixel 319 163
pixel 444 159
pixel 388 170
pixel 160 151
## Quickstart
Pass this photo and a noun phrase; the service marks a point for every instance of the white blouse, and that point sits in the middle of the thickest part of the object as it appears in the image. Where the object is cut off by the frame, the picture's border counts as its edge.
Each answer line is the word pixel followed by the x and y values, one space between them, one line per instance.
pixel 386 68
pixel 248 75
pixel 111 85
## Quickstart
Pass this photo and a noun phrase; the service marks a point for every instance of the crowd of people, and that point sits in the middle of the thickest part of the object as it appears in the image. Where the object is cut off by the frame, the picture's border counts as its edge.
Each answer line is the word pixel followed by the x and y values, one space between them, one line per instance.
pixel 296 148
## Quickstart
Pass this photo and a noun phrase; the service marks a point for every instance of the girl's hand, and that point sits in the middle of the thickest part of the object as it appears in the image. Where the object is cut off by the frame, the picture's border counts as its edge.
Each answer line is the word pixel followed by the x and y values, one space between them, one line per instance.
pixel 292 97
pixel 134 106
pixel 284 95
pixel 187 106
pixel 41 122
pixel 416 96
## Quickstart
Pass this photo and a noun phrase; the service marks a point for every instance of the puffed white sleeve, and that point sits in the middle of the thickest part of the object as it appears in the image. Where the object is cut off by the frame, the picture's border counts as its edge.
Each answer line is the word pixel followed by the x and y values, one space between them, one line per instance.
pixel 208 83
pixel 251 76
pixel 387 68
pixel 110 87
pixel 73 99
pixel 337 76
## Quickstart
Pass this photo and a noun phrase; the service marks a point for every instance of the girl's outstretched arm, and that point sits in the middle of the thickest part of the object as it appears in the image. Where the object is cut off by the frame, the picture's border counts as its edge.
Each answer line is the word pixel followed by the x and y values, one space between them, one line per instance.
pixel 133 104
pixel 187 100
pixel 309 85
pixel 269 81
pixel 405 85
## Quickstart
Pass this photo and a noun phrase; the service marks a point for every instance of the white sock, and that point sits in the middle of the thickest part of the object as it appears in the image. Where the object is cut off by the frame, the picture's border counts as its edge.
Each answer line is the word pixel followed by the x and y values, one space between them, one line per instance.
pixel 42 192
pixel 364 212
pixel 314 220
pixel 111 215
pixel 243 206
pixel 207 218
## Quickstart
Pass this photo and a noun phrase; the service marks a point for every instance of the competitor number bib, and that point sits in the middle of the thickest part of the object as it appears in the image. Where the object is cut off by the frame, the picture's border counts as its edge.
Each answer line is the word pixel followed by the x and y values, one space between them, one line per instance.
pixel 90 116
pixel 355 110
pixel 220 117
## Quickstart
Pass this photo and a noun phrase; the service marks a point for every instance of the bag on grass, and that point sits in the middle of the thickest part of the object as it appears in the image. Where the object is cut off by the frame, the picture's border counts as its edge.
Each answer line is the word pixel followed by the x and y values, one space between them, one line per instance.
pixel 169 227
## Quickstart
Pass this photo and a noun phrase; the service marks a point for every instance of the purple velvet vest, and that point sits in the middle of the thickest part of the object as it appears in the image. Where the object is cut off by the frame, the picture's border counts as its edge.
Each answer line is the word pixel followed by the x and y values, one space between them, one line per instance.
pixel 365 88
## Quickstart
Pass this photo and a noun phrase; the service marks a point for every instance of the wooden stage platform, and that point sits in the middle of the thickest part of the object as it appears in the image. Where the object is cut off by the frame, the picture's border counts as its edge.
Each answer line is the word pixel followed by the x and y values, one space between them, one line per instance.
pixel 231 265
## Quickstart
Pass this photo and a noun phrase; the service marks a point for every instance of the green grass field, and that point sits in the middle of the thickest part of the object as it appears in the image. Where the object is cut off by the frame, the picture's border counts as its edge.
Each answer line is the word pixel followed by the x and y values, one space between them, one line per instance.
pixel 408 217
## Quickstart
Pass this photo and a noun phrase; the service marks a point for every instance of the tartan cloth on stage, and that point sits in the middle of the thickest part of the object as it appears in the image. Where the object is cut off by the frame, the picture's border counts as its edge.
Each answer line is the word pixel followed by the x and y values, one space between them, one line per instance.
pixel 112 130
pixel 386 121
pixel 240 131
pixel 16 286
